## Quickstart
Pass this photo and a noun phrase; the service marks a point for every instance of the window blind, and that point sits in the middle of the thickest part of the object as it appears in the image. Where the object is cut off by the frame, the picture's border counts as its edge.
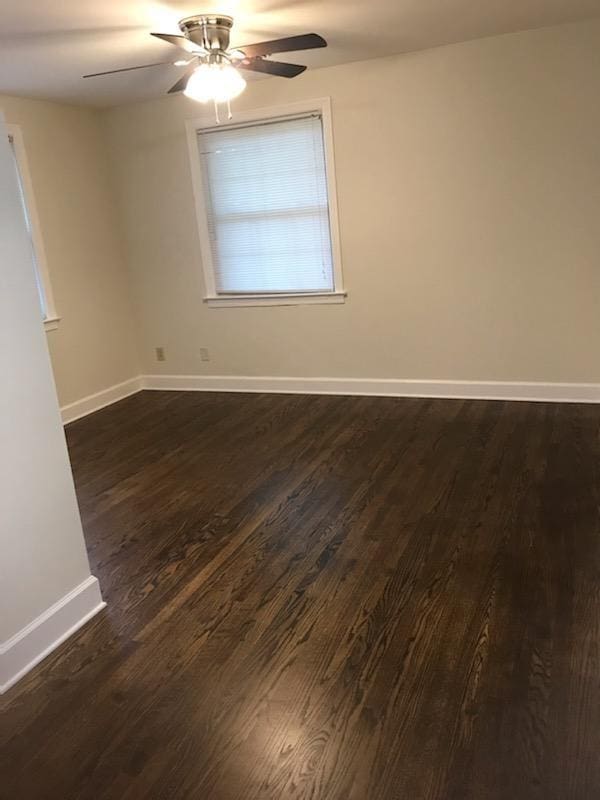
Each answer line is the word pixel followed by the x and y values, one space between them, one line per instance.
pixel 38 279
pixel 265 188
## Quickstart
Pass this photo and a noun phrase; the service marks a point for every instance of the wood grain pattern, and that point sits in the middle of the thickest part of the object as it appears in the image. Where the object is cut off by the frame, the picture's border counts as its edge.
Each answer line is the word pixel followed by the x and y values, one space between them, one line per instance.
pixel 331 598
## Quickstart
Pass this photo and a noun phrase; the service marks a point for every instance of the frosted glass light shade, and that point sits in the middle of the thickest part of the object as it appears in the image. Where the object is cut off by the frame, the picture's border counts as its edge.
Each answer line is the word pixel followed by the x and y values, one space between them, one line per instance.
pixel 218 82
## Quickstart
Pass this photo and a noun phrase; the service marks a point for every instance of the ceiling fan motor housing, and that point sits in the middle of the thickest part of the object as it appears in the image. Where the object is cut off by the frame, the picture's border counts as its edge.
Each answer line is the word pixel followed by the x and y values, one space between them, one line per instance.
pixel 208 31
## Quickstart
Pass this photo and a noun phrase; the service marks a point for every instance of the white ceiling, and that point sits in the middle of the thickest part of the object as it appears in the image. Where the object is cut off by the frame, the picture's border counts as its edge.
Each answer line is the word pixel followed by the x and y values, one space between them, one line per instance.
pixel 46 45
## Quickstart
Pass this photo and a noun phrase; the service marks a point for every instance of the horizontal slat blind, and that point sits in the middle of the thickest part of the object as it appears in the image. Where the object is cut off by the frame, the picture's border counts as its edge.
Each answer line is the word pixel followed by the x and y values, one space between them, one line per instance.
pixel 268 217
pixel 38 279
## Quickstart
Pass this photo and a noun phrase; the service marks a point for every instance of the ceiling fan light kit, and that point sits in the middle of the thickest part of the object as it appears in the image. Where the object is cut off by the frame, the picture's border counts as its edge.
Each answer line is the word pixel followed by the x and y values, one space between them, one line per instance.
pixel 212 68
pixel 217 81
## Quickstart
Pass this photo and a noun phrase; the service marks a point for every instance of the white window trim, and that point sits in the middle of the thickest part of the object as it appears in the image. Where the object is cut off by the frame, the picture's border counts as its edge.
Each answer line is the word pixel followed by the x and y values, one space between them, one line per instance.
pixel 321 106
pixel 51 319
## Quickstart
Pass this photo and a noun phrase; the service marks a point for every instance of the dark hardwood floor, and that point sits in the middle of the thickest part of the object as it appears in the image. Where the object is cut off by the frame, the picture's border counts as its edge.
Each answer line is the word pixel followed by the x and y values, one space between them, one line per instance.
pixel 330 598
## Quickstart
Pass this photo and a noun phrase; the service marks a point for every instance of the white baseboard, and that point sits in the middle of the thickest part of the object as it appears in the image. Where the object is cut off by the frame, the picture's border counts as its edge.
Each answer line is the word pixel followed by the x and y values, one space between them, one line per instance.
pixel 381 387
pixel 33 643
pixel 94 402
pixel 376 387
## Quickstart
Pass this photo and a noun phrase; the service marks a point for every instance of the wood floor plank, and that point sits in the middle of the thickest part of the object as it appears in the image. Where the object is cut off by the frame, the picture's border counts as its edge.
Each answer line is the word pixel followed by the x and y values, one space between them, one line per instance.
pixel 331 598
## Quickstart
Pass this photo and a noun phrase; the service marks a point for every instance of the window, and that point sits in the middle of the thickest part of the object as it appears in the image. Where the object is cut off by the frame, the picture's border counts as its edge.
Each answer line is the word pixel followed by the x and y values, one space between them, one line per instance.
pixel 266 208
pixel 49 315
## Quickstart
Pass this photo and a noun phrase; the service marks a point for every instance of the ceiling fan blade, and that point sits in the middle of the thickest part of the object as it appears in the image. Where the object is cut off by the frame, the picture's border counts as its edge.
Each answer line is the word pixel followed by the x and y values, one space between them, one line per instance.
pixel 279 68
pixel 182 82
pixel 180 41
pixel 306 41
pixel 127 69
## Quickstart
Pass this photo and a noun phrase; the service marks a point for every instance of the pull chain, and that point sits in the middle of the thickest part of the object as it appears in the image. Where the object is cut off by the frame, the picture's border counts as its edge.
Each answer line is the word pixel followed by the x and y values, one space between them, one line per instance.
pixel 229 114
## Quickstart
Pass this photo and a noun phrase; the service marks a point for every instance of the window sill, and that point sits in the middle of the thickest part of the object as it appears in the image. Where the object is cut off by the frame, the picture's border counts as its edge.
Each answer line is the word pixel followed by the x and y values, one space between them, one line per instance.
pixel 51 323
pixel 314 298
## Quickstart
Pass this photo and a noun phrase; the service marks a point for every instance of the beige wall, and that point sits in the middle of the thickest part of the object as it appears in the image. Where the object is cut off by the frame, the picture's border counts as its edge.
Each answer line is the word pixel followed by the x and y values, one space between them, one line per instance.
pixel 93 347
pixel 469 197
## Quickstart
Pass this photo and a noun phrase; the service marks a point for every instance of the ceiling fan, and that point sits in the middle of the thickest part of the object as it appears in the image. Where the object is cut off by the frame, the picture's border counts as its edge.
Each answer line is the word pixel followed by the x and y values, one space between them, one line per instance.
pixel 211 72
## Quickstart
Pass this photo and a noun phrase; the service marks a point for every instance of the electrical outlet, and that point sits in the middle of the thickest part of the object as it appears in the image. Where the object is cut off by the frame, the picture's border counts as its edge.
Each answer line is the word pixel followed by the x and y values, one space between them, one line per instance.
pixel 204 354
pixel 160 354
